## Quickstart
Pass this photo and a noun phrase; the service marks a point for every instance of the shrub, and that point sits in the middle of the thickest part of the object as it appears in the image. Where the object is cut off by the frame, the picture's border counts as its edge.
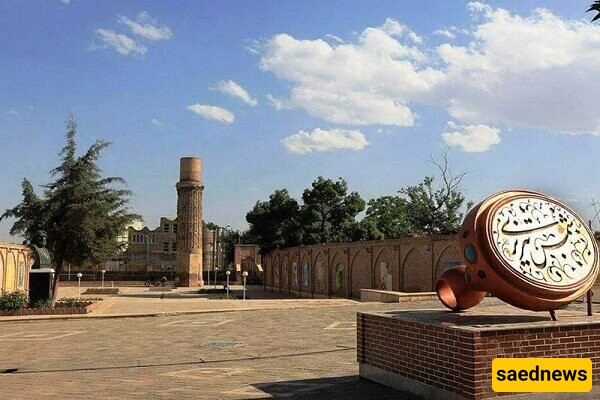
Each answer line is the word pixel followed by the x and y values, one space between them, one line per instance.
pixel 68 302
pixel 42 304
pixel 13 300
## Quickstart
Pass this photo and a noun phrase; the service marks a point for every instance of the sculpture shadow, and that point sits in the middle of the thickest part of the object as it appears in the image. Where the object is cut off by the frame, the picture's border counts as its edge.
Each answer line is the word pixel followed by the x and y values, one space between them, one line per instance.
pixel 342 388
pixel 464 318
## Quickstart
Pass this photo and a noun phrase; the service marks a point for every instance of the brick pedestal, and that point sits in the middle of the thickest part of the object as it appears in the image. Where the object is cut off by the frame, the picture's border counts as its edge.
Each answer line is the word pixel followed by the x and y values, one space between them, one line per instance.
pixel 441 355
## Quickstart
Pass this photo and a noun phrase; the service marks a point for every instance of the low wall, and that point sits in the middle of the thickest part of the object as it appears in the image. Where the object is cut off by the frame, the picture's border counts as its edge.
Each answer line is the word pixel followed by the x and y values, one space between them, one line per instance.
pixel 410 264
pixel 385 296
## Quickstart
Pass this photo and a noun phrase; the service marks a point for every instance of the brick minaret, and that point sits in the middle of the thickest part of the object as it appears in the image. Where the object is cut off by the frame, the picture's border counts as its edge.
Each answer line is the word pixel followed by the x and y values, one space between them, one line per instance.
pixel 189 222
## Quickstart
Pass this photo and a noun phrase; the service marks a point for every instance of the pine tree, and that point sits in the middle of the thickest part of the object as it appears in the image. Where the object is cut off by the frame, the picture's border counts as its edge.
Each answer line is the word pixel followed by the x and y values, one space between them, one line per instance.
pixel 81 212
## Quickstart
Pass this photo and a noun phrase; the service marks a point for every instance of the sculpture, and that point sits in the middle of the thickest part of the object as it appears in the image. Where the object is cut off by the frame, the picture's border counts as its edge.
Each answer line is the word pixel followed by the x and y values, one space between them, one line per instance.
pixel 525 248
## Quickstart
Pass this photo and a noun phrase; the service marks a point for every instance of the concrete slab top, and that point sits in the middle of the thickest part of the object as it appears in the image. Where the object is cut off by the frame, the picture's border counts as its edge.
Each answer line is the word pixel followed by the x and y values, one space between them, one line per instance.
pixel 491 318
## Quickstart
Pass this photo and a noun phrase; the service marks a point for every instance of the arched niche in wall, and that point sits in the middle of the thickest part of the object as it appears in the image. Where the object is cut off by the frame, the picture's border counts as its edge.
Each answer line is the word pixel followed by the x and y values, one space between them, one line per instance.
pixel 384 266
pixel 2 269
pixel 285 271
pixel 276 271
pixel 361 272
pixel 339 274
pixel 305 273
pixel 269 270
pixel 450 257
pixel 11 271
pixel 416 272
pixel 22 270
pixel 320 273
pixel 295 271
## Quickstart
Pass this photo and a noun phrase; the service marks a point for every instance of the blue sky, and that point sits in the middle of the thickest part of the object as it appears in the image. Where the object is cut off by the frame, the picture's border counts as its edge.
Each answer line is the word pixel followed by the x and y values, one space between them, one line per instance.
pixel 340 88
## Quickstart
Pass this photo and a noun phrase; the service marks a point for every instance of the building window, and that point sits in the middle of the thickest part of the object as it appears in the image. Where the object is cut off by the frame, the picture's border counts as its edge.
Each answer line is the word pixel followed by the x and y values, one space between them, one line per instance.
pixel 174 246
pixel 166 228
pixel 153 239
pixel 174 228
pixel 137 238
pixel 165 246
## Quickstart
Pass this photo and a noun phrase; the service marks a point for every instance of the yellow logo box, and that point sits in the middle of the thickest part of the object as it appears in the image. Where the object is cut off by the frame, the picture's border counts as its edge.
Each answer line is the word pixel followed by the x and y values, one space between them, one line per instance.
pixel 542 375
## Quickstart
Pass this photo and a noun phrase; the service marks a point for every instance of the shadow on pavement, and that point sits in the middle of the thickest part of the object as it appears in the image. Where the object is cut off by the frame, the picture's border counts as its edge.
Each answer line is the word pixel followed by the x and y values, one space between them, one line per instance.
pixel 343 387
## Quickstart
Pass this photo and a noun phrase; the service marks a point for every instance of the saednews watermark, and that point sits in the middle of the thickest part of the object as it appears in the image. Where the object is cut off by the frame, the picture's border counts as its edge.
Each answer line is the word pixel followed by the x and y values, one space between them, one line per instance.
pixel 542 375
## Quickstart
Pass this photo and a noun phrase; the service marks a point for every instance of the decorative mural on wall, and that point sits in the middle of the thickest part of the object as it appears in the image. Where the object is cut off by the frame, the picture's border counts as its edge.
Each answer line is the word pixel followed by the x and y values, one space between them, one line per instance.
pixel 339 277
pixel 285 274
pixel 305 275
pixel 385 275
pixel 321 276
pixel 295 275
pixel 21 275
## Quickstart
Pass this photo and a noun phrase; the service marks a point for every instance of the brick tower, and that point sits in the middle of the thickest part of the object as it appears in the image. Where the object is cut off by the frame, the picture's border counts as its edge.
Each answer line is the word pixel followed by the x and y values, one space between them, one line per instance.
pixel 189 222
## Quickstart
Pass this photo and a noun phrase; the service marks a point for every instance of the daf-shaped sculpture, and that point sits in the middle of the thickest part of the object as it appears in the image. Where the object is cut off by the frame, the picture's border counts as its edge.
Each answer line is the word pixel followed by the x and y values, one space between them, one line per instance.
pixel 525 248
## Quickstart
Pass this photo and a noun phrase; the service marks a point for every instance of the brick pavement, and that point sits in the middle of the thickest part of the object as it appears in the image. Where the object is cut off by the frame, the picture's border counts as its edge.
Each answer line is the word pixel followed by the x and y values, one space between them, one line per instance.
pixel 232 355
pixel 292 352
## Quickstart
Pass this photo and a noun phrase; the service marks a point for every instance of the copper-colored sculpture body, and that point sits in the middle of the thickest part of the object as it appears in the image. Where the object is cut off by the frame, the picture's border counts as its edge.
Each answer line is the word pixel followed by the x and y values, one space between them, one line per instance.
pixel 525 248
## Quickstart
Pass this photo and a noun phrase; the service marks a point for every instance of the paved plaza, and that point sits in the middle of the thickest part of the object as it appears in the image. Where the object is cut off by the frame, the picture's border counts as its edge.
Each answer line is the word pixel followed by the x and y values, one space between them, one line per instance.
pixel 265 349
pixel 287 353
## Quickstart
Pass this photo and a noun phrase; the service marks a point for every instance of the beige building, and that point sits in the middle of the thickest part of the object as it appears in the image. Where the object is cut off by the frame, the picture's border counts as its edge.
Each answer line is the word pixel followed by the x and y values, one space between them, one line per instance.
pixel 152 249
pixel 155 250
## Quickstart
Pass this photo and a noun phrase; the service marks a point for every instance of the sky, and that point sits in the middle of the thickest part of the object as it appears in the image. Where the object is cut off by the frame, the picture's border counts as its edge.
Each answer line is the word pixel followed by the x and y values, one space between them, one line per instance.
pixel 272 94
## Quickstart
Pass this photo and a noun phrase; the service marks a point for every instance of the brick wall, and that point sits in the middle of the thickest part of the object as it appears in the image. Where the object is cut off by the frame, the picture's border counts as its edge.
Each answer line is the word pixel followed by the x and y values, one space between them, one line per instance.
pixel 460 361
pixel 416 262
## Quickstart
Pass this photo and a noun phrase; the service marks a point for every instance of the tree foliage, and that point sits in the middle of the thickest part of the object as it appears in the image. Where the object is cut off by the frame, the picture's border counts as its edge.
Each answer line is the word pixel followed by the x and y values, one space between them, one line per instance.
pixel 390 215
pixel 275 223
pixel 328 209
pixel 436 210
pixel 329 213
pixel 81 211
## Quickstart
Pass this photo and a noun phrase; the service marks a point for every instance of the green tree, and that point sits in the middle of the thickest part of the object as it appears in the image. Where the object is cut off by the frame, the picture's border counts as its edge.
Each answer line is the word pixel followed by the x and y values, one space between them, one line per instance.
pixel 210 225
pixel 390 216
pixel 30 213
pixel 354 231
pixel 274 223
pixel 436 210
pixel 327 209
pixel 82 212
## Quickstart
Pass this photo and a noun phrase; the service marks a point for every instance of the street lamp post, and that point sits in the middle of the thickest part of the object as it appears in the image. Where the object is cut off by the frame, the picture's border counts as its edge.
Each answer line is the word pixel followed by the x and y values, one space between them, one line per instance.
pixel 227 286
pixel 79 275
pixel 216 269
pixel 103 272
pixel 245 274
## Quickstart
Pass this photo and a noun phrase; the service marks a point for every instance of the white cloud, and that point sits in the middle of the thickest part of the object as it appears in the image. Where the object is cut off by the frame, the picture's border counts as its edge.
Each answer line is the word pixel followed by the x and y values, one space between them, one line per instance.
pixel 335 38
pixel 471 138
pixel 445 32
pixel 362 83
pixel 275 102
pixel 233 89
pixel 212 112
pixel 123 44
pixel 539 71
pixel 145 26
pixel 324 140
pixel 158 123
pixel 65 1
pixel 536 71
pixel 13 111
